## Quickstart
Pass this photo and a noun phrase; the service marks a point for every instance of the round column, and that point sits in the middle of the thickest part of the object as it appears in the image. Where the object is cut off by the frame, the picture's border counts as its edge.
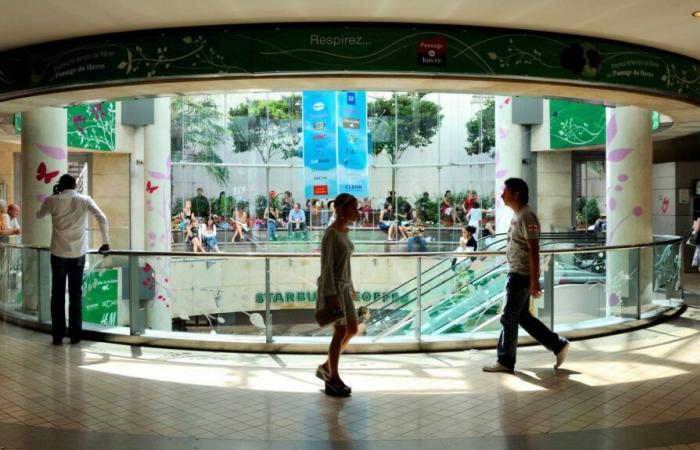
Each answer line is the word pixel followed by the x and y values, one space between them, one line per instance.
pixel 509 157
pixel 44 160
pixel 157 221
pixel 628 183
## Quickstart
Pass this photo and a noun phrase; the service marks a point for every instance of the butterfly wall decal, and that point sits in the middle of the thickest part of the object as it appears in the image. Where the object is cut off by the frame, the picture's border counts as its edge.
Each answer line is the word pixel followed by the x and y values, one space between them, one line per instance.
pixel 42 173
pixel 151 188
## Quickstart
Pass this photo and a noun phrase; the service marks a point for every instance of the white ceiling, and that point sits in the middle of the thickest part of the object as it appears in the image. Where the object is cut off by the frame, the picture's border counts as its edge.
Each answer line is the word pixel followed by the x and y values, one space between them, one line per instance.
pixel 665 24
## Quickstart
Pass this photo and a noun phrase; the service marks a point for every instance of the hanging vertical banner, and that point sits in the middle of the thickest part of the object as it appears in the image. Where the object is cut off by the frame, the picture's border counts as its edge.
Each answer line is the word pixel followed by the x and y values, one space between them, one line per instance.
pixel 320 153
pixel 352 143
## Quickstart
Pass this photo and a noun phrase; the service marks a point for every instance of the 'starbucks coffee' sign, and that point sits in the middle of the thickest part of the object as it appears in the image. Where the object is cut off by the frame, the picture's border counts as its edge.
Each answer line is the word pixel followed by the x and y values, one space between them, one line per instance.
pixel 310 297
pixel 101 294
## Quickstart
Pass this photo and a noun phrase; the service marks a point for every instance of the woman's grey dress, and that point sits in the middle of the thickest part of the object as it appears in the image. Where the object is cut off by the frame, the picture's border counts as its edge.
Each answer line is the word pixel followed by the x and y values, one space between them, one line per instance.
pixel 336 276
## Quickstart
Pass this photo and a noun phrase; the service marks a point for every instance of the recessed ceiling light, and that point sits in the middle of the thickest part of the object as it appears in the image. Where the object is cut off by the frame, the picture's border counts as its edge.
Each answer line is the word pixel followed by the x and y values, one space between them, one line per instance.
pixel 696 13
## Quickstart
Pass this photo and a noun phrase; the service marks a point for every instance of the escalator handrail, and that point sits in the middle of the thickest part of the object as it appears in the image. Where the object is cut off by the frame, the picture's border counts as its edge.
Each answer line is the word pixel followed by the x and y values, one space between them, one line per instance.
pixel 388 293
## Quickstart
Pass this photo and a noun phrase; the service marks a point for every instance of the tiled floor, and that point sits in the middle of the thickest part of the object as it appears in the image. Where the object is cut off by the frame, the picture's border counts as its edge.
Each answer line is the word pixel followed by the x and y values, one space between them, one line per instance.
pixel 640 389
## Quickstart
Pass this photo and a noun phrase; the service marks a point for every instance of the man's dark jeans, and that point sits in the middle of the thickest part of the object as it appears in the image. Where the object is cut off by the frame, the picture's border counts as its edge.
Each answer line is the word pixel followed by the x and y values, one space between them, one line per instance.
pixel 517 312
pixel 60 269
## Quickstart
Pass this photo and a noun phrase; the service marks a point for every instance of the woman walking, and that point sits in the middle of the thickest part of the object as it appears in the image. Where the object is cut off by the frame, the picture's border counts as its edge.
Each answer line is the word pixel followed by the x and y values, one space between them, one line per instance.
pixel 335 290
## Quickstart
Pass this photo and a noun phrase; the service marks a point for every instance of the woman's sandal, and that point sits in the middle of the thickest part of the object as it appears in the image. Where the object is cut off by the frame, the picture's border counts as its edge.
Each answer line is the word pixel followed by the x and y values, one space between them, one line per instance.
pixel 325 376
pixel 337 390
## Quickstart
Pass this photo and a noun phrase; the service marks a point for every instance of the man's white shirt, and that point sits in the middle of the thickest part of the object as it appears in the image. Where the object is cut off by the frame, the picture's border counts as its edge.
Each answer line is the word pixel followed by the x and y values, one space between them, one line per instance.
pixel 68 211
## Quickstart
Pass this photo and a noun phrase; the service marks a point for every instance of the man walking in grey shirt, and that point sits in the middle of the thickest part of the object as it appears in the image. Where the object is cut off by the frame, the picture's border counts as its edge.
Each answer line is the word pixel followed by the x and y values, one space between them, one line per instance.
pixel 523 255
pixel 68 211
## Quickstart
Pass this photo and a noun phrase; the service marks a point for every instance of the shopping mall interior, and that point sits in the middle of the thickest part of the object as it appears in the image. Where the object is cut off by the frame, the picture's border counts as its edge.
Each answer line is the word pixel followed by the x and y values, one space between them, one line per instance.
pixel 214 138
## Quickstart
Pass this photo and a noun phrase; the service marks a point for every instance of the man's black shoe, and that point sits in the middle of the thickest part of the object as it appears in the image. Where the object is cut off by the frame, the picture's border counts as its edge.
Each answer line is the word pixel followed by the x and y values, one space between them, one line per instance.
pixel 57 341
pixel 74 340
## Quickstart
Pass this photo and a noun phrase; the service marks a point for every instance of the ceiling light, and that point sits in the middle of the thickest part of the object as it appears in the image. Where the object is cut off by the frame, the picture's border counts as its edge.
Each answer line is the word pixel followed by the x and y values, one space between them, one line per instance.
pixel 696 13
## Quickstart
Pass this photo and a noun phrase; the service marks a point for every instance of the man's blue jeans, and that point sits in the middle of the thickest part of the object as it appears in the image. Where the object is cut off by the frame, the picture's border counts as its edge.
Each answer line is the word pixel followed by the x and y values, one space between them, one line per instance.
pixel 517 312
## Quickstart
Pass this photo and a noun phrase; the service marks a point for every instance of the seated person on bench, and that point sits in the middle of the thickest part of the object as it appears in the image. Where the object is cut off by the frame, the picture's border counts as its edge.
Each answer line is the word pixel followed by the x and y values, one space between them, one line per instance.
pixel 297 220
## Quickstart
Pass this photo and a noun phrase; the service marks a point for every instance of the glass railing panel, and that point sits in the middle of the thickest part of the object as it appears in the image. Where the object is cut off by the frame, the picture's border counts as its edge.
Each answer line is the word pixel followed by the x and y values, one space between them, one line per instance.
pixel 210 295
pixel 293 295
pixel 105 300
pixel 592 289
pixel 11 273
pixel 665 287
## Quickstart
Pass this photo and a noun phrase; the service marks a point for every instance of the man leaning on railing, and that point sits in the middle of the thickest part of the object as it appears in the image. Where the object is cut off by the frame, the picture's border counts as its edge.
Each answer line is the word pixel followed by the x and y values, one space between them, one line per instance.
pixel 68 211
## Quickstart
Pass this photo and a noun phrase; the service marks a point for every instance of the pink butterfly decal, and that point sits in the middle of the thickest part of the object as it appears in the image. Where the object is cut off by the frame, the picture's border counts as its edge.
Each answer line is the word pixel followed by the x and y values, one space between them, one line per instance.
pixel 502 133
pixel 43 174
pixel 505 102
pixel 151 188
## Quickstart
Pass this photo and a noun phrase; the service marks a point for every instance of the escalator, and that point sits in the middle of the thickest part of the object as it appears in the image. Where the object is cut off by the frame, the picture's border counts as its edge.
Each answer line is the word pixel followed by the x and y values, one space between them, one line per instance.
pixel 465 297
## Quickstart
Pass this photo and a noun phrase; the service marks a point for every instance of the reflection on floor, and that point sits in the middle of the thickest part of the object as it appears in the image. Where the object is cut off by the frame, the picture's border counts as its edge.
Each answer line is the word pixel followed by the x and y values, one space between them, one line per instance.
pixel 640 389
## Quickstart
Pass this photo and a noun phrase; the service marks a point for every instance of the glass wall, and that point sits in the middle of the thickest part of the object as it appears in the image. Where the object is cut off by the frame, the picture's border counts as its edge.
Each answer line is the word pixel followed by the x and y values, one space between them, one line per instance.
pixel 240 157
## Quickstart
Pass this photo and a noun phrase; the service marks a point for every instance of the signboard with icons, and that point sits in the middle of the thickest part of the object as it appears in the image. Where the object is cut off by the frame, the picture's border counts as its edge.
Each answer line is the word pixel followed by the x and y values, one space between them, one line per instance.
pixel 335 143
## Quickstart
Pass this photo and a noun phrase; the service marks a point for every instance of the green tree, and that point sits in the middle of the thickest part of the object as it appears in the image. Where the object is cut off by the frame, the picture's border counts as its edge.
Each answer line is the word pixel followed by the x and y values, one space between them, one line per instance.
pixel 416 123
pixel 405 117
pixel 269 127
pixel 196 132
pixel 481 136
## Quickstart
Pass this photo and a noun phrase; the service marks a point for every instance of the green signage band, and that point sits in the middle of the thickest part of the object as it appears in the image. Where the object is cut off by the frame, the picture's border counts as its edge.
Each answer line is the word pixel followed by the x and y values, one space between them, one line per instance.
pixel 317 49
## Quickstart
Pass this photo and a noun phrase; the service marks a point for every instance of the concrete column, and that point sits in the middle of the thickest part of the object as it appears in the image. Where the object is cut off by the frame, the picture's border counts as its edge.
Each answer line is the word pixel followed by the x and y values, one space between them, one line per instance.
pixel 157 221
pixel 44 160
pixel 628 176
pixel 509 156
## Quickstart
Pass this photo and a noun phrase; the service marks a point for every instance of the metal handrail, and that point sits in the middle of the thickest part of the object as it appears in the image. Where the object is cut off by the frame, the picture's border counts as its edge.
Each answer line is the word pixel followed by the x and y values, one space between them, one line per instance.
pixel 414 255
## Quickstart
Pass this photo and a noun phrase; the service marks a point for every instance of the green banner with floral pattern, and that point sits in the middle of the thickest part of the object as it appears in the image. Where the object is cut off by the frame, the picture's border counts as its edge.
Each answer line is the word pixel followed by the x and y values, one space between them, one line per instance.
pixel 224 51
pixel 90 126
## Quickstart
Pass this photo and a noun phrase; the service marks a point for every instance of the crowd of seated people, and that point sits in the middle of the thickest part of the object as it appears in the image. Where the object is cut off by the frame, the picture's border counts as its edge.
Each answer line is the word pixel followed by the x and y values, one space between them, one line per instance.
pixel 397 218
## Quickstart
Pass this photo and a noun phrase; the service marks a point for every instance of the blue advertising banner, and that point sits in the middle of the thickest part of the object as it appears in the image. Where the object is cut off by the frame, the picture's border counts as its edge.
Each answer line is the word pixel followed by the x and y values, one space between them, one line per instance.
pixel 320 152
pixel 352 143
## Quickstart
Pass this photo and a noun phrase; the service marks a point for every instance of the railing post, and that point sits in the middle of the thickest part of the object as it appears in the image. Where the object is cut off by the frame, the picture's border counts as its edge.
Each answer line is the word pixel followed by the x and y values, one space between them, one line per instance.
pixel 680 264
pixel 418 322
pixel 639 282
pixel 137 323
pixel 268 312
pixel 549 289
pixel 44 288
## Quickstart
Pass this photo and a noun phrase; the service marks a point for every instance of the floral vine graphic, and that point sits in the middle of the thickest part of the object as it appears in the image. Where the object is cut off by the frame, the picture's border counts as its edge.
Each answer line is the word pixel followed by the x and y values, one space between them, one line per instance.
pixel 575 124
pixel 681 79
pixel 92 126
pixel 194 53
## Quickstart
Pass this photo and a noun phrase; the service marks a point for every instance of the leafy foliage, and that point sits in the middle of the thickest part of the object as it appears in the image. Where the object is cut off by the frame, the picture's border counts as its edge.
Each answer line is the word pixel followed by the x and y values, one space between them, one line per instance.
pixel 481 135
pixel 196 132
pixel 269 127
pixel 587 210
pixel 417 122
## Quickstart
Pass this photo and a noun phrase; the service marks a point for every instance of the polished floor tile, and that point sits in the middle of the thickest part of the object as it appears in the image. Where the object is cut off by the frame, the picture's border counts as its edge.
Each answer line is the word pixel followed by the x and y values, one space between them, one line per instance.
pixel 633 390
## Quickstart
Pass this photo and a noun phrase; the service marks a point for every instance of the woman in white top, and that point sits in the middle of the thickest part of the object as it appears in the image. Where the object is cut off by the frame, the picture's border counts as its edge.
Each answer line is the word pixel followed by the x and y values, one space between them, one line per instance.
pixel 474 216
pixel 209 235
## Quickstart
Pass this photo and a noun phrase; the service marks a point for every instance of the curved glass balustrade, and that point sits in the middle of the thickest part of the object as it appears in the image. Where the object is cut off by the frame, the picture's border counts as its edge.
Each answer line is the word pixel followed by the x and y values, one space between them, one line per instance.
pixel 434 300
